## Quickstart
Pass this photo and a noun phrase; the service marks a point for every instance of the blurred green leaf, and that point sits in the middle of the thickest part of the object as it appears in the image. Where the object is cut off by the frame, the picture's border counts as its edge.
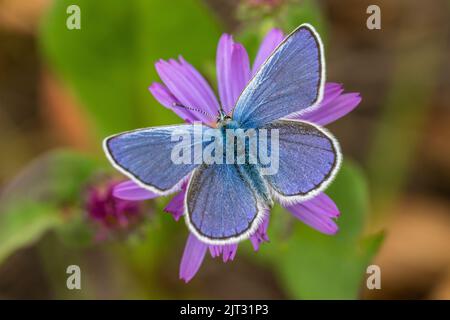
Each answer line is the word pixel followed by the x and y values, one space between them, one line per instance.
pixel 371 245
pixel 350 193
pixel 56 177
pixel 312 265
pixel 24 224
pixel 303 11
pixel 288 17
pixel 41 197
pixel 109 62
pixel 76 232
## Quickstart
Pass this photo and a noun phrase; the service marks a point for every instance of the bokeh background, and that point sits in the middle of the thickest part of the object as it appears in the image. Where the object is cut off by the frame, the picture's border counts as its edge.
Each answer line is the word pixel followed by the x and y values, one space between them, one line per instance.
pixel 62 91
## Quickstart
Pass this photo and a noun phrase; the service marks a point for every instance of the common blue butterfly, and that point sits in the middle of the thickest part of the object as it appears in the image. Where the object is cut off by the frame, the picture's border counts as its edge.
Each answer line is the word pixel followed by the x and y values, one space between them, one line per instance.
pixel 225 203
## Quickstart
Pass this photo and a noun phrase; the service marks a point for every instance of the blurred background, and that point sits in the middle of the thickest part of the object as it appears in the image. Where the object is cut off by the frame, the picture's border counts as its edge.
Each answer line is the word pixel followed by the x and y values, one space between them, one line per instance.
pixel 62 91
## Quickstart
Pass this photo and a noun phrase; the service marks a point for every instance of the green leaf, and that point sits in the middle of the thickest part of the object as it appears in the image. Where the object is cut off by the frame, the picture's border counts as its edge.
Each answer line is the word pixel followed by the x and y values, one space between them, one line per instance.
pixel 312 265
pixel 350 193
pixel 288 17
pixel 56 177
pixel 109 62
pixel 76 232
pixel 304 11
pixel 24 224
pixel 41 197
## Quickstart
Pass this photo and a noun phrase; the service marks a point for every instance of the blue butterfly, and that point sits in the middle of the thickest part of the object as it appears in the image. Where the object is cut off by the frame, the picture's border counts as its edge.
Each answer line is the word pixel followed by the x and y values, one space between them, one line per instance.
pixel 225 203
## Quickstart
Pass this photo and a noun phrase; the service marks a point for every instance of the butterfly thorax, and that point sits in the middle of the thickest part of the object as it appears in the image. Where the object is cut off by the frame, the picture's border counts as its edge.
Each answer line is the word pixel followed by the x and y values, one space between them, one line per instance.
pixel 225 121
pixel 249 172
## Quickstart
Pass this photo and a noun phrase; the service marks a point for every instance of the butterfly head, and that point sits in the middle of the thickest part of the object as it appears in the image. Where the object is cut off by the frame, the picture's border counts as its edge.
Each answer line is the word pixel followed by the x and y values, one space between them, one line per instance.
pixel 224 120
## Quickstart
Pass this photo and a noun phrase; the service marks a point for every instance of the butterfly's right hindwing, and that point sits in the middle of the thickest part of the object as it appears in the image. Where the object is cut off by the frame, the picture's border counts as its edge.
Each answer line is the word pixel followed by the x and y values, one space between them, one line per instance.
pixel 309 158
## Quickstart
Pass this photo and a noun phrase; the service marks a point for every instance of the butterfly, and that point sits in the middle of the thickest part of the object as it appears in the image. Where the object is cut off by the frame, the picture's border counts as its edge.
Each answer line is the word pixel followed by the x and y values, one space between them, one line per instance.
pixel 225 203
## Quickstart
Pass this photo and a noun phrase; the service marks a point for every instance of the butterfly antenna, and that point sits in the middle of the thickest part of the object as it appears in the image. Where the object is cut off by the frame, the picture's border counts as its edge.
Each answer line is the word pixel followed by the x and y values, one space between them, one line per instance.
pixel 176 104
pixel 221 111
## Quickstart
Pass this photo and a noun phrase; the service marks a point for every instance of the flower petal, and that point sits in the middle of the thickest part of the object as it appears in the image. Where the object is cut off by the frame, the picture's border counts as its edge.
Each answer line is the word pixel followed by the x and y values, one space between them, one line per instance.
pixel 323 204
pixel 333 106
pixel 189 88
pixel 233 71
pixel 163 95
pixel 315 215
pixel 272 39
pixel 202 85
pixel 129 190
pixel 215 250
pixel 193 255
pixel 176 205
pixel 240 72
pixel 260 235
pixel 223 58
pixel 227 251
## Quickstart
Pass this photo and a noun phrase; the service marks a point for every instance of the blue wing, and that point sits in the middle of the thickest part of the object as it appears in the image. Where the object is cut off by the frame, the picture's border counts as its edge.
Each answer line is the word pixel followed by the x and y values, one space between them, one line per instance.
pixel 309 158
pixel 290 81
pixel 145 155
pixel 220 205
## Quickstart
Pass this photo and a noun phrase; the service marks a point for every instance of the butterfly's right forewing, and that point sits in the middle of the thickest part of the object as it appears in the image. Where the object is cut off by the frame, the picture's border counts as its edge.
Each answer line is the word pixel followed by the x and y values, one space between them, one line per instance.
pixel 146 155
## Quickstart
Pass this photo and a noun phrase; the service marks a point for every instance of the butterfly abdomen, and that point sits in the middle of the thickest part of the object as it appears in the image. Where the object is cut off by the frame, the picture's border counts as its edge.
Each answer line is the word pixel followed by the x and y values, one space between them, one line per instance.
pixel 237 141
pixel 253 177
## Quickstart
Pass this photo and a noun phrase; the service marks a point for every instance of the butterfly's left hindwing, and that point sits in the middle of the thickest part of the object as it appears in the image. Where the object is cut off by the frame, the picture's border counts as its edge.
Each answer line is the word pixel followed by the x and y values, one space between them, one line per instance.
pixel 220 205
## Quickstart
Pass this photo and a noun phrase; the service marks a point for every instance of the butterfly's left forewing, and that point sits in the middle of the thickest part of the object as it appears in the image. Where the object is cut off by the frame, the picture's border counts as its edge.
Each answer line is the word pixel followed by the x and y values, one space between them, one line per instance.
pixel 290 81
pixel 220 205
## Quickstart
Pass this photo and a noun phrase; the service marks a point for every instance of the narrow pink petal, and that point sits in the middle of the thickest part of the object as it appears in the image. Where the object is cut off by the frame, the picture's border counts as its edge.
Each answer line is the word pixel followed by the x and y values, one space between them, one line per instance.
pixel 233 71
pixel 163 95
pixel 215 250
pixel 193 255
pixel 229 252
pixel 337 109
pixel 186 87
pixel 176 205
pixel 334 105
pixel 322 204
pixel 239 73
pixel 313 217
pixel 332 90
pixel 223 60
pixel 211 105
pixel 129 190
pixel 272 39
pixel 260 235
pixel 203 86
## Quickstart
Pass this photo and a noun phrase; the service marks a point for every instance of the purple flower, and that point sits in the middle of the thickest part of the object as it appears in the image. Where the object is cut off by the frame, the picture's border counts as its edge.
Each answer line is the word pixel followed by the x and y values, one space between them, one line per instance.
pixel 183 84
pixel 109 212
